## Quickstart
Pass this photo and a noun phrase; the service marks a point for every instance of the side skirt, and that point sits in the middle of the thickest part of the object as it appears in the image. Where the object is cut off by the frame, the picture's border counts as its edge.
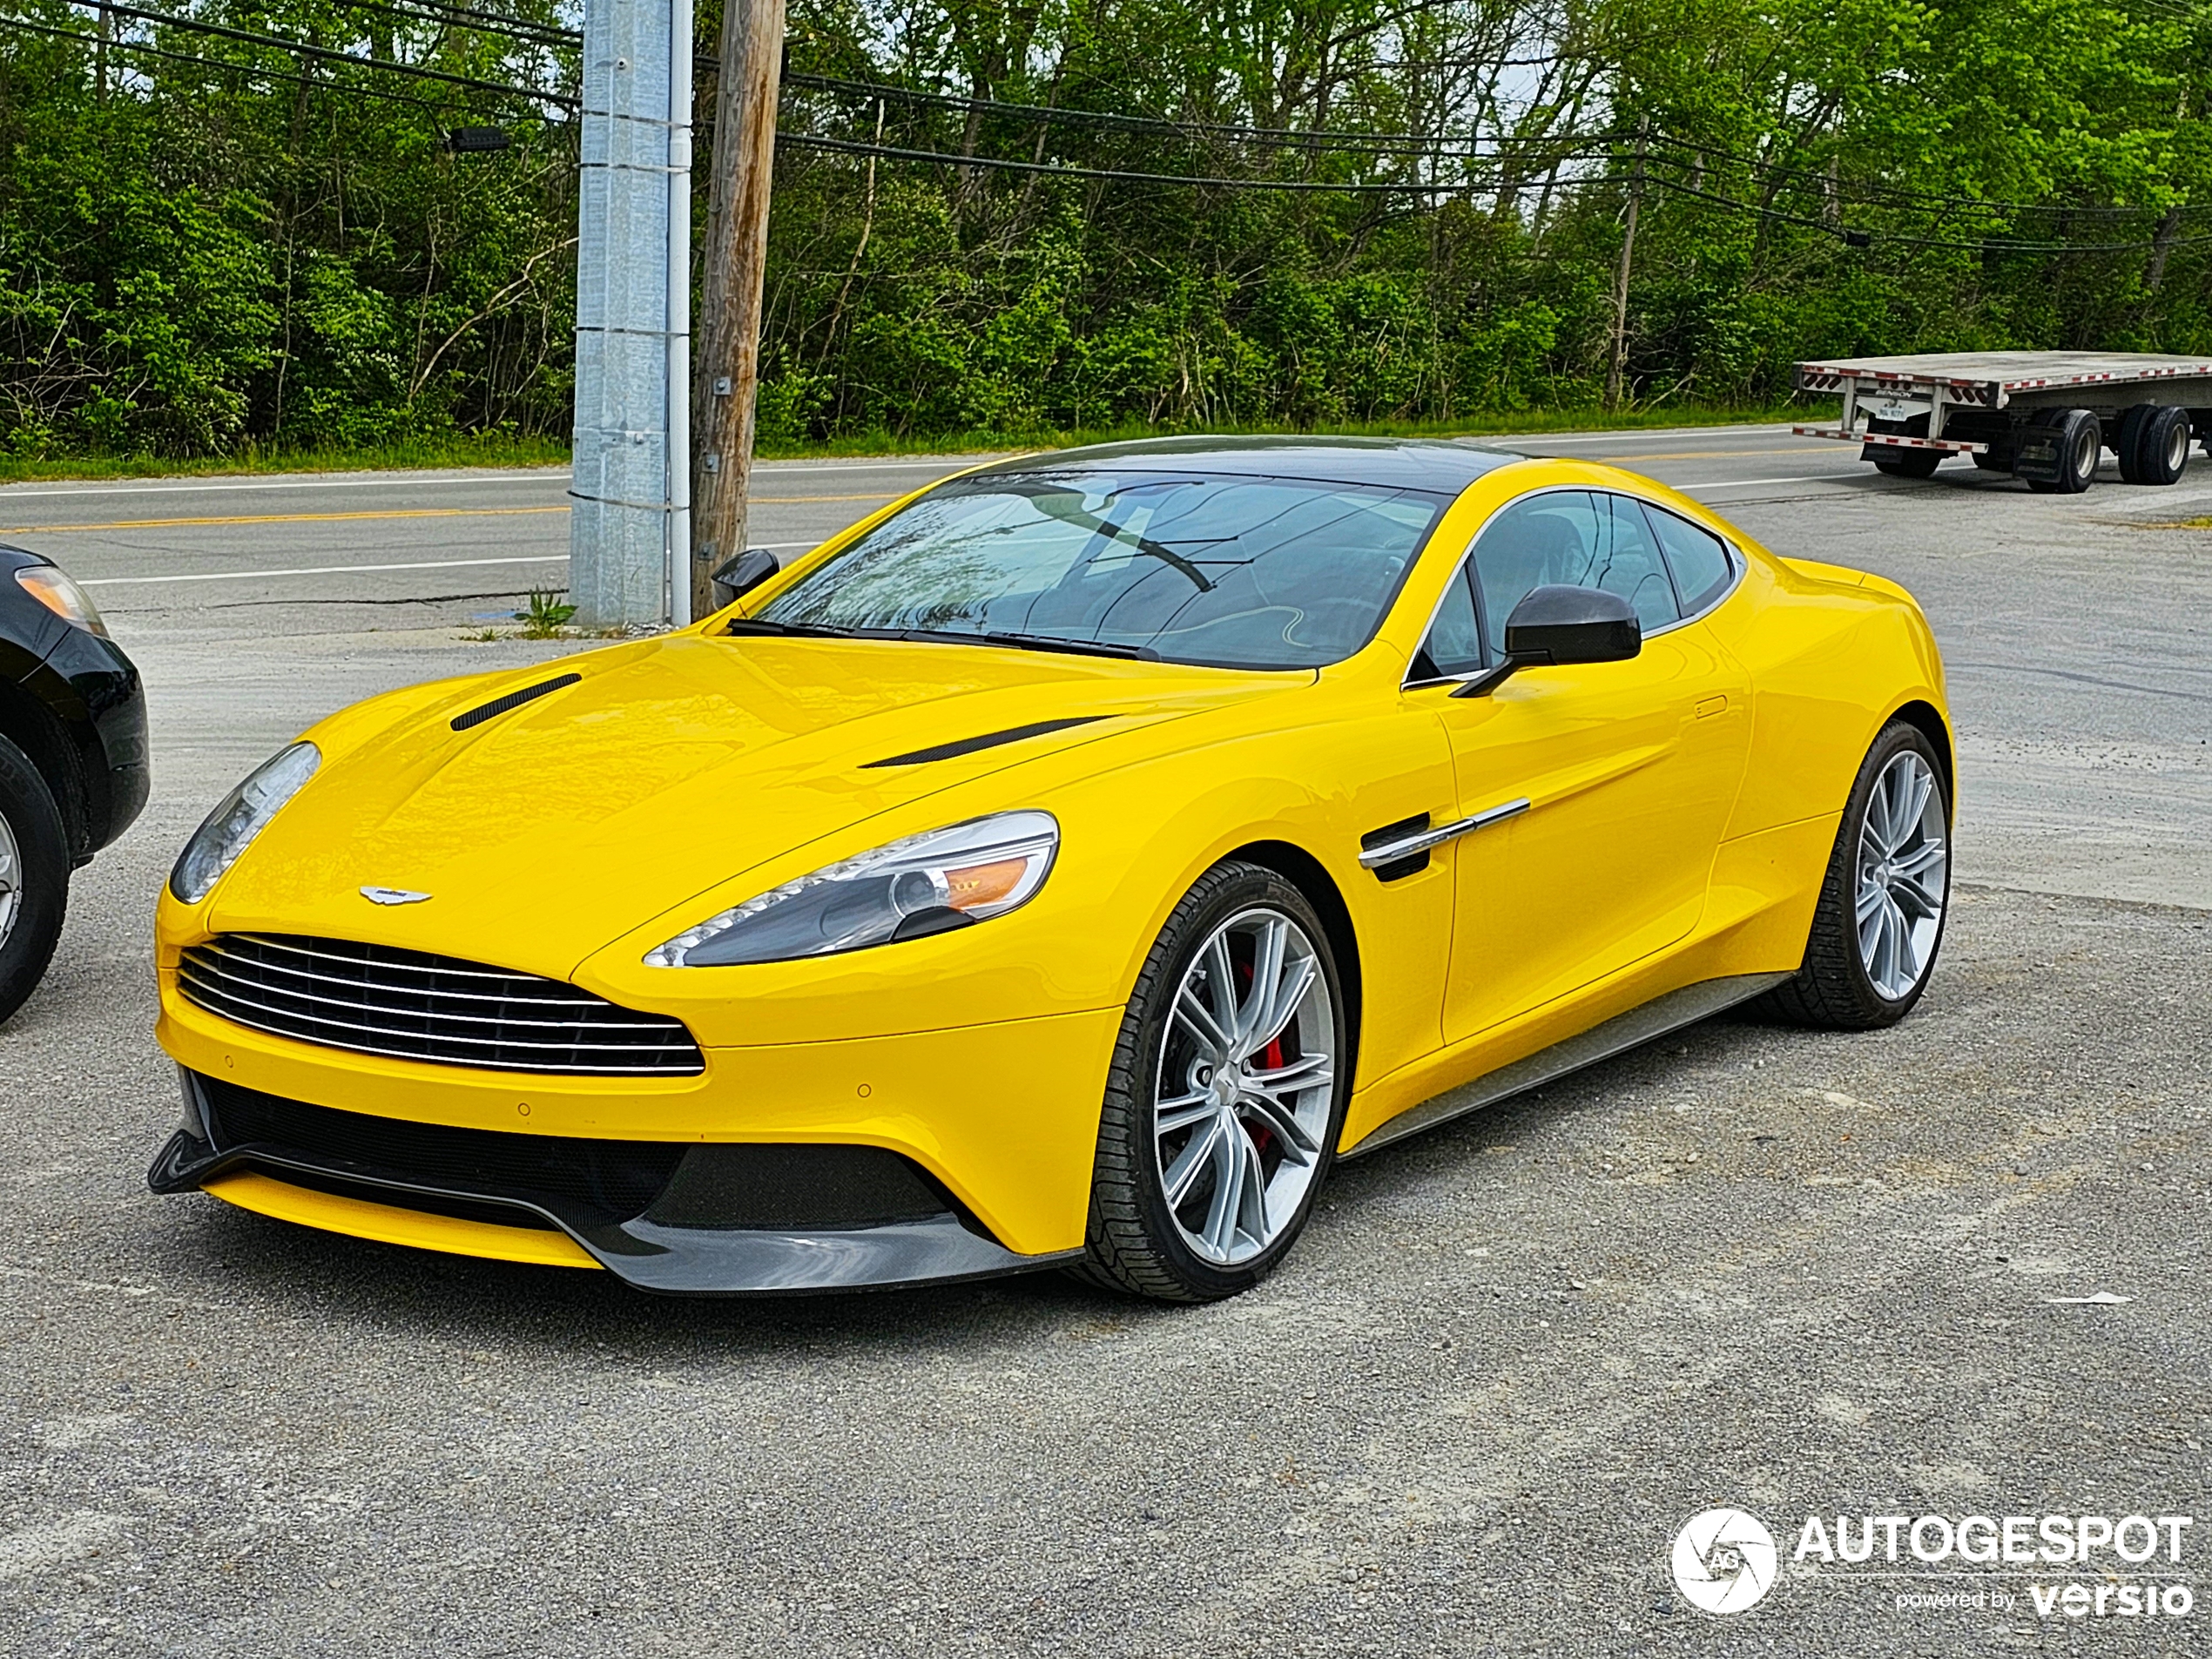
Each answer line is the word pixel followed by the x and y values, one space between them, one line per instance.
pixel 1616 1035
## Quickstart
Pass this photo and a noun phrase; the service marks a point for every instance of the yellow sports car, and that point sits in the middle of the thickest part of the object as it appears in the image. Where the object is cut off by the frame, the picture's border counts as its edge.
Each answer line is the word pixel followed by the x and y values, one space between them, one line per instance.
pixel 1063 867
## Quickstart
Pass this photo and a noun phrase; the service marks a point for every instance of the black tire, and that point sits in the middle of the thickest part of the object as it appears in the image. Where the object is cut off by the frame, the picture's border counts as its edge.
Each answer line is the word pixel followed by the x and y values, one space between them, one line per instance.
pixel 1985 461
pixel 2126 439
pixel 2080 444
pixel 1832 990
pixel 1135 1242
pixel 1909 463
pixel 2161 452
pixel 32 916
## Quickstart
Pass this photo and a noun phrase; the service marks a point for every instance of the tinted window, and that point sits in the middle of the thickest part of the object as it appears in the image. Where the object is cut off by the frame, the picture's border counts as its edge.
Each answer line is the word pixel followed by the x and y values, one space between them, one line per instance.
pixel 1577 538
pixel 1239 571
pixel 1698 557
pixel 1455 642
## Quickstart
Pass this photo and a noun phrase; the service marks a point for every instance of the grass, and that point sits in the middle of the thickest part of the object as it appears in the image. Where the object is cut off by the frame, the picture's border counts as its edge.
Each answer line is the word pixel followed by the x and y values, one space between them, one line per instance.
pixel 499 450
pixel 493 450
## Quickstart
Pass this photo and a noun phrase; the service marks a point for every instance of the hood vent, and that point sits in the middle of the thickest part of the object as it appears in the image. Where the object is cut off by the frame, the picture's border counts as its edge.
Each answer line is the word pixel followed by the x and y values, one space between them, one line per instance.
pixel 989 740
pixel 484 712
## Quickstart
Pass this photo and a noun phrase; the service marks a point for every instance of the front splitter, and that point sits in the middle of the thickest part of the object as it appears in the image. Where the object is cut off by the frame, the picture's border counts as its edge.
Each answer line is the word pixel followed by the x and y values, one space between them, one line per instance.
pixel 674 1261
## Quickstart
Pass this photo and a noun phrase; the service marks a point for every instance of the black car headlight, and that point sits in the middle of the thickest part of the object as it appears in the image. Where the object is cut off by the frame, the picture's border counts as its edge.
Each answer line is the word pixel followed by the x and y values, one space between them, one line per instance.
pixel 925 884
pixel 238 817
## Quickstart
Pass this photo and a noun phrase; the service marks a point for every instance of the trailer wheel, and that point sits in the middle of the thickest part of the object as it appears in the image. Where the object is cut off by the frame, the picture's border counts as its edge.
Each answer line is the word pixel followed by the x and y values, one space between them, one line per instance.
pixel 1991 461
pixel 2161 451
pixel 1909 463
pixel 2080 443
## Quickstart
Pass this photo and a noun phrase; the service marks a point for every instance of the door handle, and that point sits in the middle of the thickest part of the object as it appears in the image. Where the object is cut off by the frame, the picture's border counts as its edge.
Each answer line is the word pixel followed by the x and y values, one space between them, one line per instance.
pixel 1422 840
pixel 1709 706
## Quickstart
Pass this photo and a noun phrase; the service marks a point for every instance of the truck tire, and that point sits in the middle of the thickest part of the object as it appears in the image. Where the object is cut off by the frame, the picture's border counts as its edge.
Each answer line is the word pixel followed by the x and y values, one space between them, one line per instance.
pixel 1991 461
pixel 1908 463
pixel 2161 451
pixel 2080 445
pixel 2124 437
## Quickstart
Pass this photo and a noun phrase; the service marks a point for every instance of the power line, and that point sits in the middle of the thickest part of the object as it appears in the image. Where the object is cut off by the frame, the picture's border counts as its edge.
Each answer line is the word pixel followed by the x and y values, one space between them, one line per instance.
pixel 253 71
pixel 325 54
pixel 1990 244
pixel 1424 143
pixel 847 146
pixel 551 36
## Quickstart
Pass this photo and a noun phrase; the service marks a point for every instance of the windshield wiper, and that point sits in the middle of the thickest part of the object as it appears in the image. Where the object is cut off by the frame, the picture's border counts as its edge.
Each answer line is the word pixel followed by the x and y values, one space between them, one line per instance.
pixel 1032 642
pixel 804 630
pixel 1073 647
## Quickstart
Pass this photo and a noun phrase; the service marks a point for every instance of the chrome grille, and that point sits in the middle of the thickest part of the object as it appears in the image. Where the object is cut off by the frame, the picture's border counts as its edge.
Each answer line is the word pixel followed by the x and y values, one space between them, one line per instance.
pixel 376 999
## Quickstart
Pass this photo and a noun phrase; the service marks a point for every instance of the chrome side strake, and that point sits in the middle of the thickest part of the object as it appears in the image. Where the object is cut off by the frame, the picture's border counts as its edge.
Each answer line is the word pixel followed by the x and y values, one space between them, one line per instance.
pixel 1374 858
pixel 1616 1035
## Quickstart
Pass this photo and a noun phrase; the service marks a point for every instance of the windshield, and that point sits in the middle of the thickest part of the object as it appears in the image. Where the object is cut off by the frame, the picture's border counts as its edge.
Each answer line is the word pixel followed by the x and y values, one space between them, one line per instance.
pixel 1239 572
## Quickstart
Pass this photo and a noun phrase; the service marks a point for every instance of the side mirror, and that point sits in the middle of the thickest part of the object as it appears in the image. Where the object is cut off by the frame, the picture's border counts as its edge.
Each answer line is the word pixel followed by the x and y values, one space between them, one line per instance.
pixel 743 574
pixel 1554 626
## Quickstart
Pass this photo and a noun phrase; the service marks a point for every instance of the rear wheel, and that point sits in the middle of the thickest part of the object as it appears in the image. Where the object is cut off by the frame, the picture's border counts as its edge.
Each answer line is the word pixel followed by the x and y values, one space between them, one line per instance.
pixel 2159 453
pixel 1879 923
pixel 1909 463
pixel 1987 461
pixel 2079 442
pixel 34 877
pixel 1225 1095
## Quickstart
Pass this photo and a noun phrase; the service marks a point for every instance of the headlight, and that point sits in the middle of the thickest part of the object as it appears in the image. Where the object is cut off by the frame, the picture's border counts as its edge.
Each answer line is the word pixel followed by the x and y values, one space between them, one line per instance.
pixel 53 589
pixel 239 817
pixel 923 885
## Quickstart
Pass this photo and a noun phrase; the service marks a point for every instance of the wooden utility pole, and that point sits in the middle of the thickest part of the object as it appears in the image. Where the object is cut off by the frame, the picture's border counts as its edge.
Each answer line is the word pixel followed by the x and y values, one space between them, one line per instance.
pixel 1620 357
pixel 726 373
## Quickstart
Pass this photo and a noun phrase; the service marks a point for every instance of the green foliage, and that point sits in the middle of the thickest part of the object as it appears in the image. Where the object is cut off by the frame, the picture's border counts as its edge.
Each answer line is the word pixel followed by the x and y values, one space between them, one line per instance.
pixel 223 261
pixel 545 616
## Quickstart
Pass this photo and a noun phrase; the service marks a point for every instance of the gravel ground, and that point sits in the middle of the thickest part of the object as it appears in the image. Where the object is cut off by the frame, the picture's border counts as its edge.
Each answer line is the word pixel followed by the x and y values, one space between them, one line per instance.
pixel 1749 1266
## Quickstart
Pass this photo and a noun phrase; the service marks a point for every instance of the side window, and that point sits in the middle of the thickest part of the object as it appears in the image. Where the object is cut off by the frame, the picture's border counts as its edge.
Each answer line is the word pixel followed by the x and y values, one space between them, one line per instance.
pixel 1455 643
pixel 1629 564
pixel 1537 541
pixel 1575 538
pixel 1700 559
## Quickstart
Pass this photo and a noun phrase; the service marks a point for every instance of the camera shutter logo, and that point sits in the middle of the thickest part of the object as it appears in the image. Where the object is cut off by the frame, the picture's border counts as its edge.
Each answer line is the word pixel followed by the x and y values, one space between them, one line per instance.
pixel 1724 1561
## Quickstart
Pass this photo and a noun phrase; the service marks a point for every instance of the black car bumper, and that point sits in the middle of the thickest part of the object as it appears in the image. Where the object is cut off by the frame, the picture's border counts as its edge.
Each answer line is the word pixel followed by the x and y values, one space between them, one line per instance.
pixel 720 1219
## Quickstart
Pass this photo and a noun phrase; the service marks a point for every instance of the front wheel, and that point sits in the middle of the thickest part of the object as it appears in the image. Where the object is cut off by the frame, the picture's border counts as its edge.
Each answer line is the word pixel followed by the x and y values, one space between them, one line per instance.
pixel 34 877
pixel 1225 1095
pixel 1879 921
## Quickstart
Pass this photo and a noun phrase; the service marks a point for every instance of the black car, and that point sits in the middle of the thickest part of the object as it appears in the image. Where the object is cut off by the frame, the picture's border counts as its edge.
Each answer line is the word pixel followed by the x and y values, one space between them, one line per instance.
pixel 72 756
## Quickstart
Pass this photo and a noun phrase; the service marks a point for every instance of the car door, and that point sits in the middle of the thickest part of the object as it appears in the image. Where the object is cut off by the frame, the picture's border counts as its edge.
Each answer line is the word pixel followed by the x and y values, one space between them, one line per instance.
pixel 1602 789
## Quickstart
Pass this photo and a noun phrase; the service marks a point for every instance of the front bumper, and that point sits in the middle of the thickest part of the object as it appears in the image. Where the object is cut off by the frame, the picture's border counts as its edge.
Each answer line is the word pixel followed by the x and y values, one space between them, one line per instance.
pixel 726 1218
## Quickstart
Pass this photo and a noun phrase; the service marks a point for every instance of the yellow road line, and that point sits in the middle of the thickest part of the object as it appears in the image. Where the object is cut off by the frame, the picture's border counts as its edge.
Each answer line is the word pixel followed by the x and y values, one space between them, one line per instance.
pixel 284 518
pixel 396 512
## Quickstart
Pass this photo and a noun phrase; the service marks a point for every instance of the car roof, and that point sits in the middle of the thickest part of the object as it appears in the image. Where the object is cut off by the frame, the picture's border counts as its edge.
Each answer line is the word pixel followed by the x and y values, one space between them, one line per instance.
pixel 1406 463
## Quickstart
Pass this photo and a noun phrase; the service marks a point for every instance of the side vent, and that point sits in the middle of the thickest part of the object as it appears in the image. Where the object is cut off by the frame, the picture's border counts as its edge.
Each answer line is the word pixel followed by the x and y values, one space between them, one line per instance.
pixel 1403 829
pixel 499 705
pixel 989 740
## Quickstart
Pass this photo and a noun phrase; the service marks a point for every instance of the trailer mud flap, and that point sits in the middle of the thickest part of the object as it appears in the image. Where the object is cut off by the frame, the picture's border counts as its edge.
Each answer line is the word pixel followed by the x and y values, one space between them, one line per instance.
pixel 2037 455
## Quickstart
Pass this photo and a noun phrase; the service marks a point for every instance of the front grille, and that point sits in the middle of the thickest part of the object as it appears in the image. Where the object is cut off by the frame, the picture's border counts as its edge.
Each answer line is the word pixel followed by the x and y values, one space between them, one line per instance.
pixel 376 999
pixel 590 1181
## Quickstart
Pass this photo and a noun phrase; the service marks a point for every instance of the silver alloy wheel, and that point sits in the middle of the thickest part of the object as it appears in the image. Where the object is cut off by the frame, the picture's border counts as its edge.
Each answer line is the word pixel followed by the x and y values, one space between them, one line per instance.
pixel 1904 856
pixel 1246 1086
pixel 2177 446
pixel 11 879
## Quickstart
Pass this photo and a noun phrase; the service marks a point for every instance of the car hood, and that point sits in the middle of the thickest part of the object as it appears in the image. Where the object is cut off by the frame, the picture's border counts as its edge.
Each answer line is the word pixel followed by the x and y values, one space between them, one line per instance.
pixel 544 833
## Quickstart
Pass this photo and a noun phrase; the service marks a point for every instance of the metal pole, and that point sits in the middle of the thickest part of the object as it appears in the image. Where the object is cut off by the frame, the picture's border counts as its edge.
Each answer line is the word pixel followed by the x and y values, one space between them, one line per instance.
pixel 633 313
pixel 679 389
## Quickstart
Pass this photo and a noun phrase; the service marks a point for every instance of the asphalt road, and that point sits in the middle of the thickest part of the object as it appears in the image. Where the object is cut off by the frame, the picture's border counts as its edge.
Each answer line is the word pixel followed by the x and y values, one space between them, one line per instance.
pixel 1750 1266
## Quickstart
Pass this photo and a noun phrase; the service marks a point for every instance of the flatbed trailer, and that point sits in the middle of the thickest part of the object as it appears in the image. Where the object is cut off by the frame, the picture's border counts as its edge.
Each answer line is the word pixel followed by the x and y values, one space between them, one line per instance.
pixel 2045 417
